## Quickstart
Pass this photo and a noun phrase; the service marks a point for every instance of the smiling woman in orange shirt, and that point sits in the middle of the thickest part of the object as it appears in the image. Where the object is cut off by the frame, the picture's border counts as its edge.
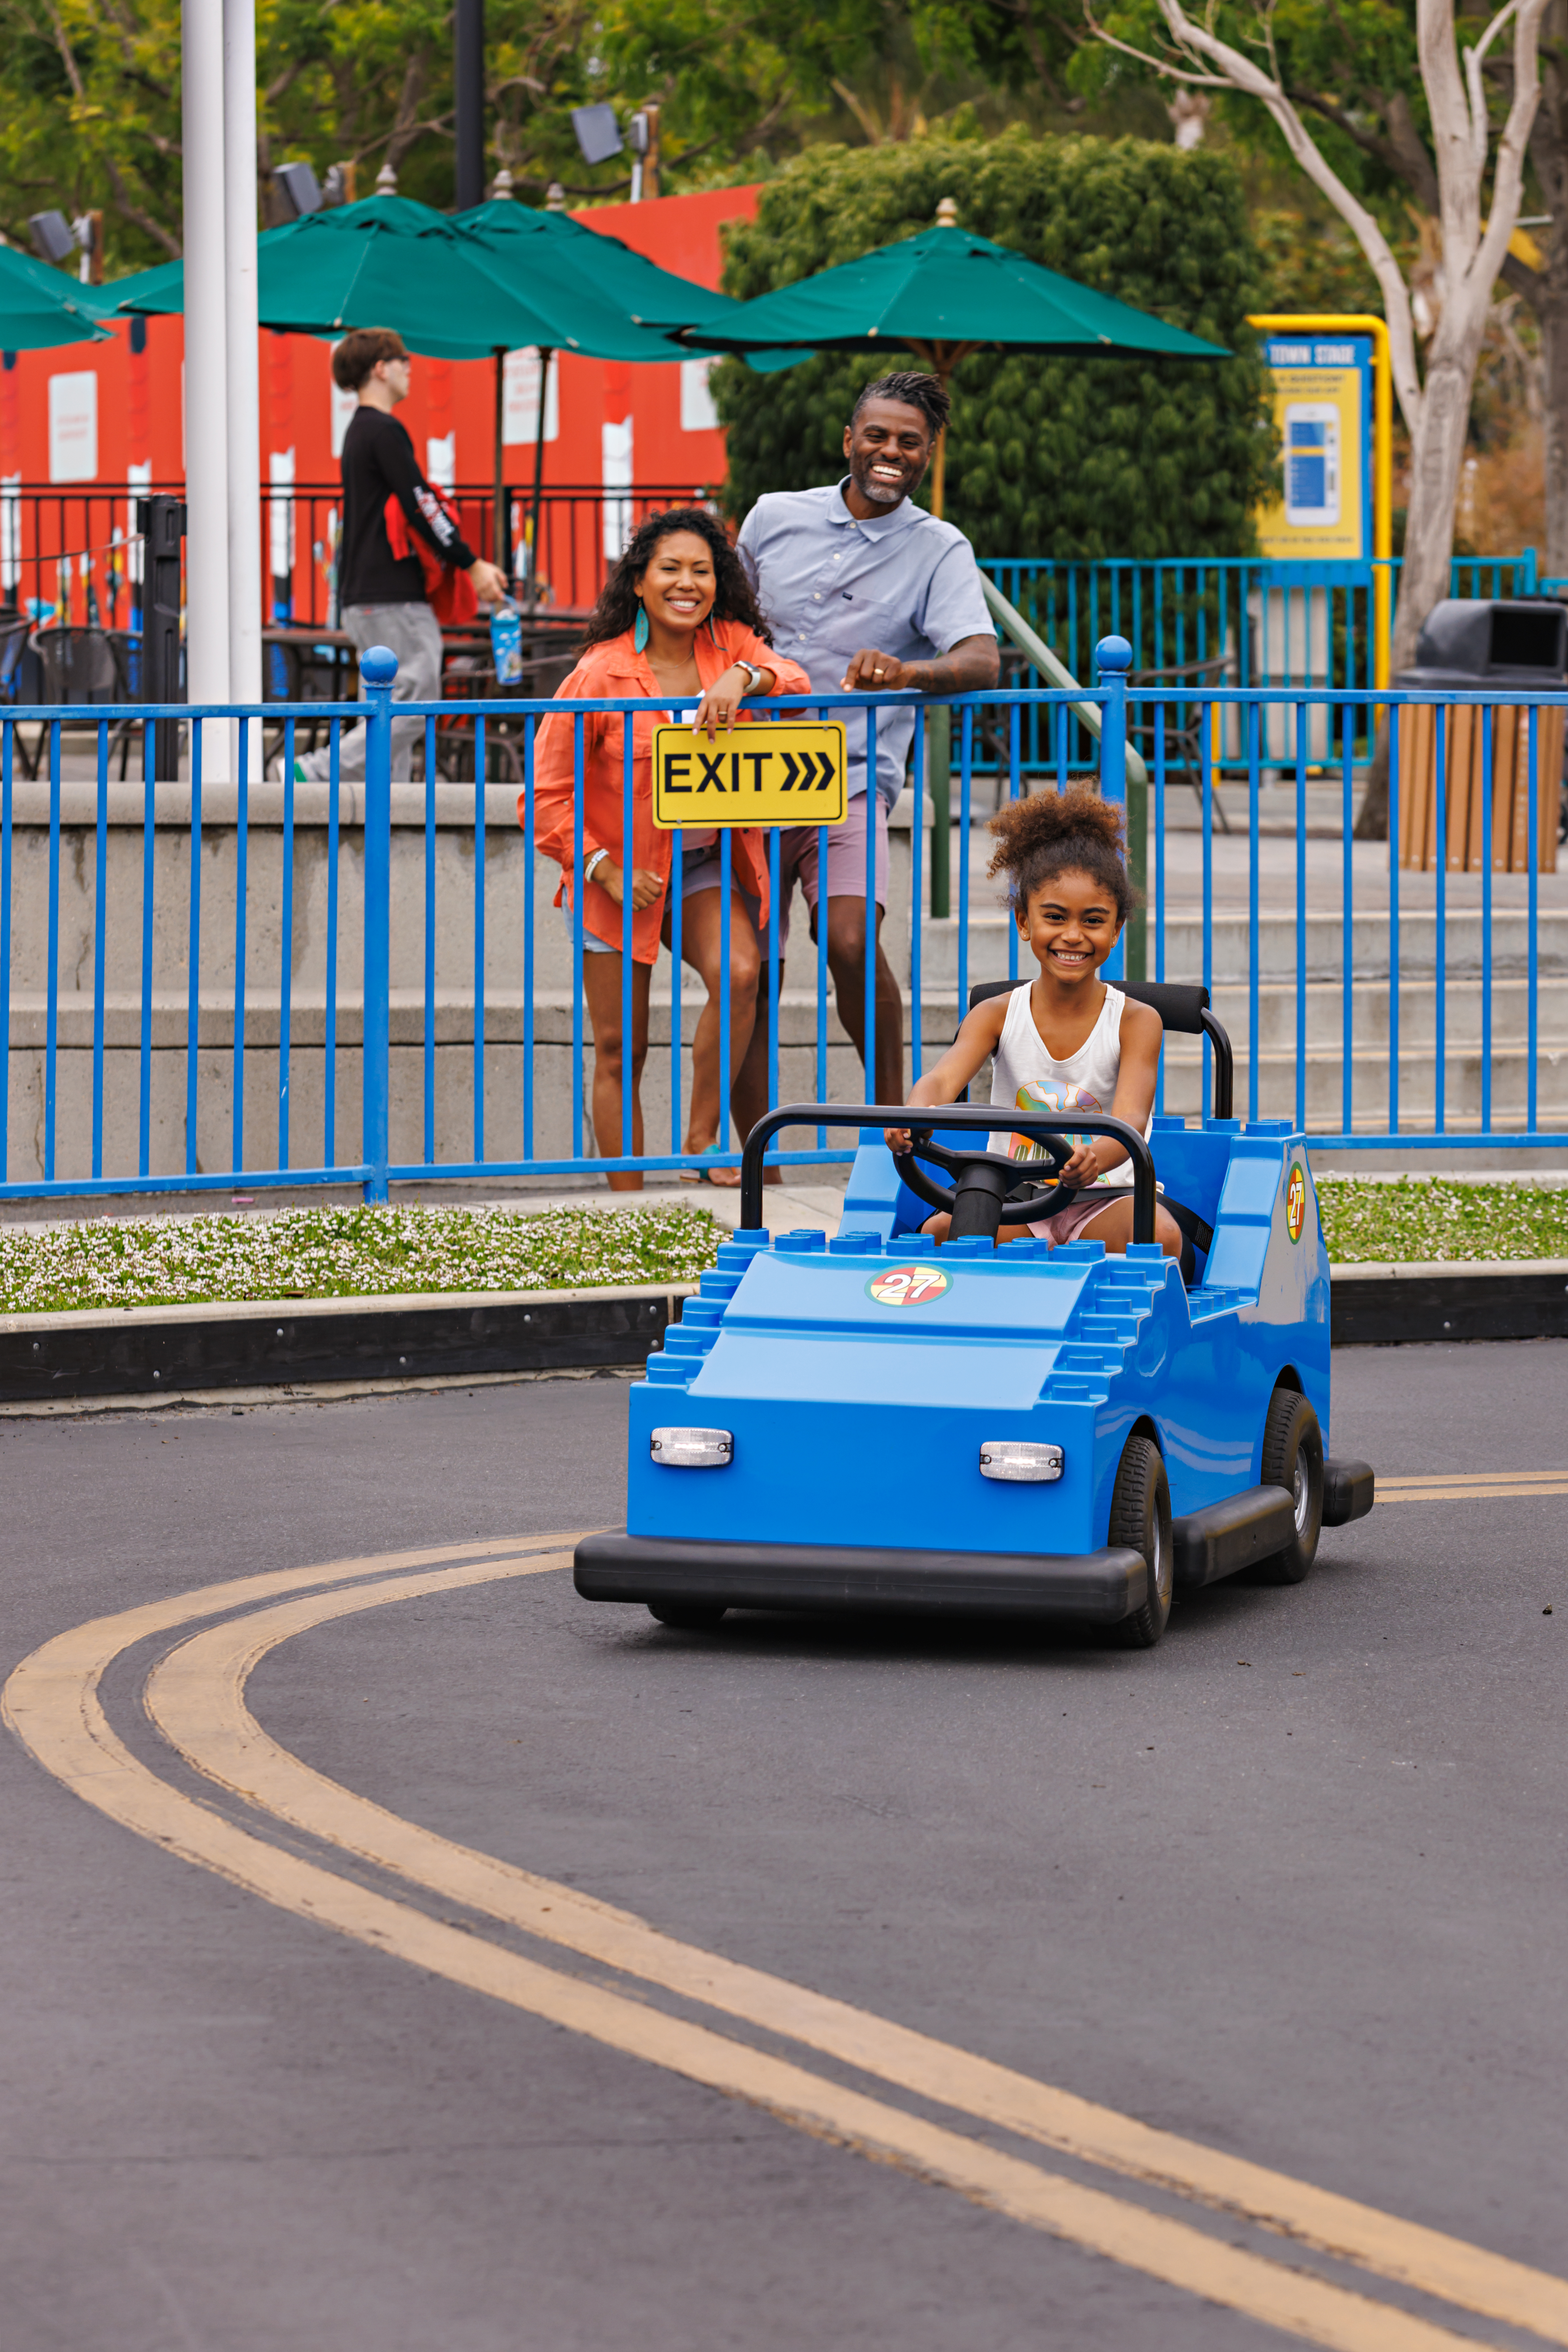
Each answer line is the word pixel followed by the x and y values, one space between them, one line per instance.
pixel 678 615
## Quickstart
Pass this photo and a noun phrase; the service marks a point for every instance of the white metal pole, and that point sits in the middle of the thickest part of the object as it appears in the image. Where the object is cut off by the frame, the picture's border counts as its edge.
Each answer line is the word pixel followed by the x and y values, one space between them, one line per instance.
pixel 206 371
pixel 242 356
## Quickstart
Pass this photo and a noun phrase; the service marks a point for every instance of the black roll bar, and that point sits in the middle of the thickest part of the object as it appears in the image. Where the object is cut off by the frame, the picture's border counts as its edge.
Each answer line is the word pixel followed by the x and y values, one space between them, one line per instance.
pixel 928 1117
pixel 1224 1066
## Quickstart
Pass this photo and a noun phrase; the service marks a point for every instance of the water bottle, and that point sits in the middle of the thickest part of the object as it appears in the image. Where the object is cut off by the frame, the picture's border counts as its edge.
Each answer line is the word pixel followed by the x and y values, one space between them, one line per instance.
pixel 506 645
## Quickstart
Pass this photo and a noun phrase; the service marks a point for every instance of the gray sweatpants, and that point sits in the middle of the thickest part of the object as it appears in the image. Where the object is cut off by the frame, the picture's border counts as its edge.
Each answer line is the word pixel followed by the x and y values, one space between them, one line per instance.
pixel 414 634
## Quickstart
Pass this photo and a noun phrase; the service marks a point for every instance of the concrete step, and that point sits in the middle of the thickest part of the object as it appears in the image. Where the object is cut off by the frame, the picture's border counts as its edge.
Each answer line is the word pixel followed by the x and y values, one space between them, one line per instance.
pixel 989 935
pixel 506 1021
pixel 1369 1072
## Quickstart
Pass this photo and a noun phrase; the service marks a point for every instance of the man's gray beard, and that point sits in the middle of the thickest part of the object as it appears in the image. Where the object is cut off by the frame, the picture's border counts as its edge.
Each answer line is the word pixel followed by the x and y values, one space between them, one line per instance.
pixel 882 493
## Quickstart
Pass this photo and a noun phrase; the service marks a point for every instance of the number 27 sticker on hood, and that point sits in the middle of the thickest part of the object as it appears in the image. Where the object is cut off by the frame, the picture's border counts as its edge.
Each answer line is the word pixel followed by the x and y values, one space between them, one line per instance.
pixel 908 1285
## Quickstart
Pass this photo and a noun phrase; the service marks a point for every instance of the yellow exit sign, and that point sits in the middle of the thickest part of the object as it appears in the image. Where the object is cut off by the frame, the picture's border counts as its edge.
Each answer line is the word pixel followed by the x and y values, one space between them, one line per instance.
pixel 792 772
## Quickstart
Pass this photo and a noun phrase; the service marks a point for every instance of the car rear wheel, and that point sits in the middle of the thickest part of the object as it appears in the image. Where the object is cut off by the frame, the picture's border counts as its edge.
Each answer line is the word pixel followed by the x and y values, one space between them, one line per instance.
pixel 1293 1458
pixel 687 1616
pixel 1141 1518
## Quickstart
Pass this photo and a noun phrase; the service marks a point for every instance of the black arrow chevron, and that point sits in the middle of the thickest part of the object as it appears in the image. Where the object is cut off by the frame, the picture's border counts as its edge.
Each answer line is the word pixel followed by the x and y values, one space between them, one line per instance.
pixel 793 765
pixel 830 773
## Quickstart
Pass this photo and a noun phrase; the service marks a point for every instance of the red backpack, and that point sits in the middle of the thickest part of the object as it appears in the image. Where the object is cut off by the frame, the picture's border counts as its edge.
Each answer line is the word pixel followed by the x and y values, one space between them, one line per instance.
pixel 448 592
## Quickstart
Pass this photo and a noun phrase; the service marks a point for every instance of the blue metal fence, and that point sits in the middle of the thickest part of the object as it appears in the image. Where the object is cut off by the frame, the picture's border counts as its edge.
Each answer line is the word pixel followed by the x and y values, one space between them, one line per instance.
pixel 151 965
pixel 1237 622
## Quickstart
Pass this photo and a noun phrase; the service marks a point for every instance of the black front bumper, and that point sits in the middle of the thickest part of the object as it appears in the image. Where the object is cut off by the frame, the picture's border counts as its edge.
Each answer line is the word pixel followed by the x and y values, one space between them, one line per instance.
pixel 1098 1588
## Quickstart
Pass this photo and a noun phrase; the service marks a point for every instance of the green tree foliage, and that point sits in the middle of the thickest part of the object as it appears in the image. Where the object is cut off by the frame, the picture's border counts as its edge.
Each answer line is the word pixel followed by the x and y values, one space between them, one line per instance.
pixel 1045 457
pixel 89 94
pixel 89 119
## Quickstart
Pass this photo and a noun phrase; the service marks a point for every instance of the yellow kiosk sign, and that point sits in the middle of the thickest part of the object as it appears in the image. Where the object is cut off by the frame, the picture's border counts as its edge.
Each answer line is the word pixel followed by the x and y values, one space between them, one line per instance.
pixel 792 772
pixel 1323 407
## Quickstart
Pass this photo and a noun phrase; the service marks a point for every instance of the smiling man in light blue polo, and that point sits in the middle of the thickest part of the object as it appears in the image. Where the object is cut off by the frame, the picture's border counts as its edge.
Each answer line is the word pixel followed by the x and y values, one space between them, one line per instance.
pixel 869 594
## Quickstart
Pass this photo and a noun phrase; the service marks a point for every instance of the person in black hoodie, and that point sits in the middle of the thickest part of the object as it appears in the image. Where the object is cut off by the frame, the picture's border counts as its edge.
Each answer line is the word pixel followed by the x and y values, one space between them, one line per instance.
pixel 382 596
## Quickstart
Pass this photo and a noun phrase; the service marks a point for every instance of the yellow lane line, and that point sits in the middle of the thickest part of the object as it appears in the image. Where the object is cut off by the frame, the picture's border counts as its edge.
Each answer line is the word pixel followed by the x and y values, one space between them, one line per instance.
pixel 1468 1478
pixel 1462 1477
pixel 51 1702
pixel 196 1695
pixel 1494 1494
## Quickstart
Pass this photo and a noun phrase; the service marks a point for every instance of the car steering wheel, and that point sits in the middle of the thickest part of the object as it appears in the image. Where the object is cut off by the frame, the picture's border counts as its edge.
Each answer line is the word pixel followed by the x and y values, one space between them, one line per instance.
pixel 990 1187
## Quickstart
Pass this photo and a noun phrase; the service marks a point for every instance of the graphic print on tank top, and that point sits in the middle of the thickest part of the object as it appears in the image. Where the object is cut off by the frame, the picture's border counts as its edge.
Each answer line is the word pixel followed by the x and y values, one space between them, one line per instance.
pixel 1035 1094
pixel 1026 1076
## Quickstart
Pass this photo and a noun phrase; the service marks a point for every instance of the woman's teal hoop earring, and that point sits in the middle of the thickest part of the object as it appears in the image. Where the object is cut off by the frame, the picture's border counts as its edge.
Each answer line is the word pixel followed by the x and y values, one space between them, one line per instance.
pixel 640 631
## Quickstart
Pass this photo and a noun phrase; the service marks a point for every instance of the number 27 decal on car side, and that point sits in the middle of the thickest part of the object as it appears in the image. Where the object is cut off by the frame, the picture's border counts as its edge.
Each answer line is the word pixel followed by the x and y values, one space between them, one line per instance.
pixel 908 1285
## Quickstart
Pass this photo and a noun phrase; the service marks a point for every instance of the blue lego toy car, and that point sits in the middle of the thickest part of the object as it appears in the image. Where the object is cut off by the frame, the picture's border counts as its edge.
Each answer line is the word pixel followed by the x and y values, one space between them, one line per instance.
pixel 871 1423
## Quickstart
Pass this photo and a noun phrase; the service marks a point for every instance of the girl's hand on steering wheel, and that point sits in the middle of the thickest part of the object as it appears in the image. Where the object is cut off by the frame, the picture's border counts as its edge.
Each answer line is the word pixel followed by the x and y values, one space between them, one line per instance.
pixel 1083 1168
pixel 898 1140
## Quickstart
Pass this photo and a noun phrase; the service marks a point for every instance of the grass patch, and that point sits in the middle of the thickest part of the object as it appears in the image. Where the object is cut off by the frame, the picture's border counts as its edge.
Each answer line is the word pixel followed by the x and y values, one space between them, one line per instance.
pixel 1432 1217
pixel 348 1253
pixel 363 1252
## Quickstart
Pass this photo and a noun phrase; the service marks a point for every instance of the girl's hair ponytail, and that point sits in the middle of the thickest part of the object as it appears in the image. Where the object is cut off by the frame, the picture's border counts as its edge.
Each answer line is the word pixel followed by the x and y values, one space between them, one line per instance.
pixel 1051 833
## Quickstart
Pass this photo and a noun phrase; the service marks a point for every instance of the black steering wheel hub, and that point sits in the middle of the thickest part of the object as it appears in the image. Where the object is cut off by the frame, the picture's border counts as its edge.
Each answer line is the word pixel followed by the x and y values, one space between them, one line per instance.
pixel 988 1191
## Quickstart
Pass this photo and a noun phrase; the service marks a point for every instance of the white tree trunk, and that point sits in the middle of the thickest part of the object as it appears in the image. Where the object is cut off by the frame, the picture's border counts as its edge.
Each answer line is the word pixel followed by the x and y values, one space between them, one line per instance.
pixel 1437 414
pixel 1436 460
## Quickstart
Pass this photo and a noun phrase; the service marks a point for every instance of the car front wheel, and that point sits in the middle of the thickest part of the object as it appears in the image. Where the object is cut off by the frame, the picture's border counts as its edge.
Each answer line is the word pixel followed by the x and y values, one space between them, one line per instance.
pixel 1141 1518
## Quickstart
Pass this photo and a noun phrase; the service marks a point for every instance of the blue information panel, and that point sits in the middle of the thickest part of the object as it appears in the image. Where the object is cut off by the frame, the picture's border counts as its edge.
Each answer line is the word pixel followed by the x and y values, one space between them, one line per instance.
pixel 1321 509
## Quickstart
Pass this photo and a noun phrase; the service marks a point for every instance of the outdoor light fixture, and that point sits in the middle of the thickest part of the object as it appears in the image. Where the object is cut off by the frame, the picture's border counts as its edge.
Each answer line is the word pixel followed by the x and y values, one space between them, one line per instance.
pixel 1018 1462
pixel 53 235
pixel 692 1449
pixel 598 134
pixel 301 189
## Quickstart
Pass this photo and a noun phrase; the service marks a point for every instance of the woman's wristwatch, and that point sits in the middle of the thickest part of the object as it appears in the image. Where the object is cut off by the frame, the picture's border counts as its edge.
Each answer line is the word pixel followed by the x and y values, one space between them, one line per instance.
pixel 752 675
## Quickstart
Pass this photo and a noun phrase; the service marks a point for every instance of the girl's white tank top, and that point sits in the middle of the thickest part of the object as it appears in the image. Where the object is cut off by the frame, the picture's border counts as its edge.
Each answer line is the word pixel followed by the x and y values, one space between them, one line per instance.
pixel 1025 1075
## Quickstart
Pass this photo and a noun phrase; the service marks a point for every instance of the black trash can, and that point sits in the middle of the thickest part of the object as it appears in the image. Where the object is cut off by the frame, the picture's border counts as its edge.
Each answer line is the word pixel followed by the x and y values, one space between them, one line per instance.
pixel 1517 646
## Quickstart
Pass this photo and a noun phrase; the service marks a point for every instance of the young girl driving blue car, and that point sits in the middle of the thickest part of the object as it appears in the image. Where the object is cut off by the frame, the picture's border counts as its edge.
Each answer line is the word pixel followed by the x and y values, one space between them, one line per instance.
pixel 1067 1040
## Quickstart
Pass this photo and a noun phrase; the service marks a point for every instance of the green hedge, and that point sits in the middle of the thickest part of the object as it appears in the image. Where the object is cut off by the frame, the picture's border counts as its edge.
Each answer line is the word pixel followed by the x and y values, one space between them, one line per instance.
pixel 1045 457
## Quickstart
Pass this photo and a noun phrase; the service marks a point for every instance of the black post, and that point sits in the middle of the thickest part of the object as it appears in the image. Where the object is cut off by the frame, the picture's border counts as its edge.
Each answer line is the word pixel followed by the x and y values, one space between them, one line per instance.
pixel 162 521
pixel 468 80
pixel 545 359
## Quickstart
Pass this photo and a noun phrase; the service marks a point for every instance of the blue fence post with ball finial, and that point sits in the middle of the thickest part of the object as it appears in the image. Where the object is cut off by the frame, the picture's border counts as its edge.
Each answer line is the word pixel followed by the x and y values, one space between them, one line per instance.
pixel 378 669
pixel 1113 659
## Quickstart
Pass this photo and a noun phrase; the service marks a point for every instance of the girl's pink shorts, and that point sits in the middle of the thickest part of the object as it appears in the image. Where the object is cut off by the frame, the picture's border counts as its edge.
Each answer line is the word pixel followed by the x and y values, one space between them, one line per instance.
pixel 1069 1223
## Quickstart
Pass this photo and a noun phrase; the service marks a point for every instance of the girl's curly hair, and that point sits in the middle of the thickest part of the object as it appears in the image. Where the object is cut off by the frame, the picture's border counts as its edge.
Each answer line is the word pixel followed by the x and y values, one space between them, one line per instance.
pixel 1047 834
pixel 735 598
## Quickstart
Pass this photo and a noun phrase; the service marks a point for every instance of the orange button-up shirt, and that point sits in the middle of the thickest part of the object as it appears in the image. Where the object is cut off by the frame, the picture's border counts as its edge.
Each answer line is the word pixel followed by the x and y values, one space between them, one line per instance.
pixel 612 672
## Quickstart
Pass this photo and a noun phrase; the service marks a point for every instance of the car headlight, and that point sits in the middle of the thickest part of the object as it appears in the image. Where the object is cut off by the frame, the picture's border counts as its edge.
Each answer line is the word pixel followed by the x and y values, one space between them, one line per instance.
pixel 1019 1460
pixel 692 1449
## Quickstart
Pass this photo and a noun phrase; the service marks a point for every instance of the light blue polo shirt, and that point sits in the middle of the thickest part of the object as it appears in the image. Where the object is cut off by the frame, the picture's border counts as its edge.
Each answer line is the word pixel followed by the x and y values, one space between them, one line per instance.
pixel 830 585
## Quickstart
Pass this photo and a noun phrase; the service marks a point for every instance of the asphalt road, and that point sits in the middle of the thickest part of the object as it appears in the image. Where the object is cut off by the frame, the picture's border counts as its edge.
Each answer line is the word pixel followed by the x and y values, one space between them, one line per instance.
pixel 1292 1885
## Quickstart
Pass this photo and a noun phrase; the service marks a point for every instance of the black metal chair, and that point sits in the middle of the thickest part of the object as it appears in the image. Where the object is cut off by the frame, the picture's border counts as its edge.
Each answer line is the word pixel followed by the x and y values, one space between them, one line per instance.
pixel 83 665
pixel 1184 736
pixel 303 672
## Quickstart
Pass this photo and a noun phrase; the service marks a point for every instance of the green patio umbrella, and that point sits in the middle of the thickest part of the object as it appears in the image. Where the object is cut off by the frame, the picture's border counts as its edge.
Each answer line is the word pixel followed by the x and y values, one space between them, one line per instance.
pixel 38 308
pixel 946 294
pixel 382 263
pixel 451 292
pixel 596 283
pixel 531 249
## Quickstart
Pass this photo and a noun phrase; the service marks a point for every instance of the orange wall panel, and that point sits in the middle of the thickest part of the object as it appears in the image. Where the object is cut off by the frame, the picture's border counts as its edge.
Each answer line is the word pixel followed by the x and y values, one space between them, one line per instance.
pixel 140 394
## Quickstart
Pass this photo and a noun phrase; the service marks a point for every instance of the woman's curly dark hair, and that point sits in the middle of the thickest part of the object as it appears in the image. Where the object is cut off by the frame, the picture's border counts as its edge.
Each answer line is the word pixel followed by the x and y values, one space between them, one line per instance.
pixel 1074 832
pixel 736 597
